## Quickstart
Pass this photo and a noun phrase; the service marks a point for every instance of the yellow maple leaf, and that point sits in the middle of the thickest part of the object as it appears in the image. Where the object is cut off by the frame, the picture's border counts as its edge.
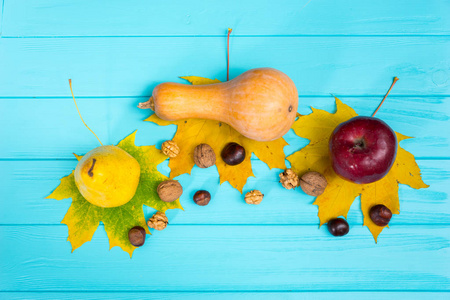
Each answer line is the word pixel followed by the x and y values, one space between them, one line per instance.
pixel 340 194
pixel 192 132
pixel 83 218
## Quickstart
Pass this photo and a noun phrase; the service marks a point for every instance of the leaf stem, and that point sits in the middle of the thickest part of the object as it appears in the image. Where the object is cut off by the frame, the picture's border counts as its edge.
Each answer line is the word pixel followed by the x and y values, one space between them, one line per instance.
pixel 71 91
pixel 228 53
pixel 392 85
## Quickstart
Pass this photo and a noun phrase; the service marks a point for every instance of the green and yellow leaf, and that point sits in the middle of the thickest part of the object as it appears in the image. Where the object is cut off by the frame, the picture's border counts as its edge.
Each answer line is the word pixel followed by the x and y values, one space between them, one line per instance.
pixel 83 218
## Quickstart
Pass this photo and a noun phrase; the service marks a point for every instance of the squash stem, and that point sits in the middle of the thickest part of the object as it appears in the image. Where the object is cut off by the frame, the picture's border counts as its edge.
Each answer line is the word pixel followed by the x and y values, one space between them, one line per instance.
pixel 147 104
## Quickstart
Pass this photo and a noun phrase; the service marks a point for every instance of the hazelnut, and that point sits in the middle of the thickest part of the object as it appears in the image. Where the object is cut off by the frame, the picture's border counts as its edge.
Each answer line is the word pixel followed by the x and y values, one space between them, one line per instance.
pixel 202 197
pixel 204 156
pixel 289 179
pixel 380 215
pixel 159 221
pixel 233 154
pixel 313 183
pixel 170 148
pixel 136 235
pixel 169 190
pixel 338 227
pixel 254 197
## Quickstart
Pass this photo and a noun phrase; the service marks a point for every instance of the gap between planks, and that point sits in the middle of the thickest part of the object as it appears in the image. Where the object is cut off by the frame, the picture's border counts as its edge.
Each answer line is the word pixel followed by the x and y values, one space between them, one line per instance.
pixel 224 35
pixel 224 291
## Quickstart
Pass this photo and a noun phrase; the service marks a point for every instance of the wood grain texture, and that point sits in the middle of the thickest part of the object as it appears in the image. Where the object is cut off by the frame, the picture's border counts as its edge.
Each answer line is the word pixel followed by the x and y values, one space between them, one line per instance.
pixel 372 295
pixel 28 182
pixel 1 17
pixel 227 258
pixel 284 17
pixel 40 67
pixel 51 129
pixel 117 52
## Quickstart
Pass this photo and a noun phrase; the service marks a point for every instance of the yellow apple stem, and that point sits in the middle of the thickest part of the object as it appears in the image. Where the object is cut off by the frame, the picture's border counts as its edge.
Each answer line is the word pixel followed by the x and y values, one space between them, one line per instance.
pixel 228 53
pixel 70 84
pixel 392 85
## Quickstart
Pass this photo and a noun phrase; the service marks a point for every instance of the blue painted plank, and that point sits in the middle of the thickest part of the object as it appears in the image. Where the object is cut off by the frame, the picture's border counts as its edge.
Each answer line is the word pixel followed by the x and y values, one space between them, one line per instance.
pixel 1 17
pixel 24 184
pixel 51 128
pixel 372 295
pixel 102 67
pixel 191 258
pixel 285 17
pixel 228 258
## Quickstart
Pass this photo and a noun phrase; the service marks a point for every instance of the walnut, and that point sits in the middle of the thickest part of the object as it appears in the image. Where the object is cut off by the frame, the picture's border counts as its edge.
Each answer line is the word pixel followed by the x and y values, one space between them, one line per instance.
pixel 159 221
pixel 169 190
pixel 313 183
pixel 254 197
pixel 170 148
pixel 289 179
pixel 204 156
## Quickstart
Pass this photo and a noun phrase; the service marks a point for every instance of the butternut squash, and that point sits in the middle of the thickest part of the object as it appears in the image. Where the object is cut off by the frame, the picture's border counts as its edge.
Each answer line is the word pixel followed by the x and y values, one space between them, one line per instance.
pixel 261 104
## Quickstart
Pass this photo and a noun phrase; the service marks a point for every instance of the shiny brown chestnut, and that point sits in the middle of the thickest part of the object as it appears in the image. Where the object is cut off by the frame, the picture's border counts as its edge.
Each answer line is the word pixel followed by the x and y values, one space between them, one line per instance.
pixel 380 215
pixel 233 154
pixel 202 197
pixel 338 227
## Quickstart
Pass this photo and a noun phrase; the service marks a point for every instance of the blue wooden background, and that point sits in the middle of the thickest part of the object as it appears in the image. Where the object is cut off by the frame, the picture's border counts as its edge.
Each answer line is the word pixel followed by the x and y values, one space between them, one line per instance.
pixel 116 51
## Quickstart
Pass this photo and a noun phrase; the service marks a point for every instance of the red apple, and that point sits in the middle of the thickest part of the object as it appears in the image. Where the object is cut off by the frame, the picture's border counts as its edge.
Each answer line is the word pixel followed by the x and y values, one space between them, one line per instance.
pixel 362 149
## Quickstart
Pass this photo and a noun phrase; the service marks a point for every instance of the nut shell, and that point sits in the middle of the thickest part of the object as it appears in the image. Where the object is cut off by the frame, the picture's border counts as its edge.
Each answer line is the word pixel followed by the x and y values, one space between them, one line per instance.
pixel 159 221
pixel 233 154
pixel 204 156
pixel 170 148
pixel 202 197
pixel 338 227
pixel 254 197
pixel 380 215
pixel 169 190
pixel 313 183
pixel 289 179
pixel 136 235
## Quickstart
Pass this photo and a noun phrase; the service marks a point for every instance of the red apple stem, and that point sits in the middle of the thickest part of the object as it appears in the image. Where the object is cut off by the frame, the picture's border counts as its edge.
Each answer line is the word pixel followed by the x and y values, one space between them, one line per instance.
pixel 392 85
pixel 228 53
pixel 71 91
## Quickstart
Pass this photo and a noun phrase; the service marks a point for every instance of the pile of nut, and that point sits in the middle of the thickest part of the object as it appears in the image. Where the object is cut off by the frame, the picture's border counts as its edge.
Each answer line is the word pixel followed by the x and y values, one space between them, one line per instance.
pixel 314 184
pixel 379 214
pixel 170 190
pixel 137 234
pixel 204 157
